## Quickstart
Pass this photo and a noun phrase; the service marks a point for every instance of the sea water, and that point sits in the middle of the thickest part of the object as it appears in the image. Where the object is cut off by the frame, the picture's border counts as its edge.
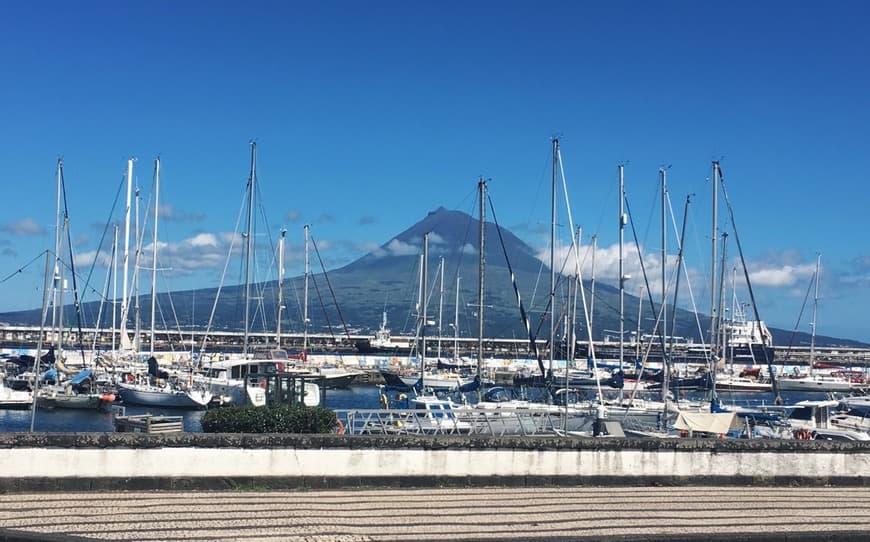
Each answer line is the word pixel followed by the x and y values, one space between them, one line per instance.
pixel 90 421
pixel 354 397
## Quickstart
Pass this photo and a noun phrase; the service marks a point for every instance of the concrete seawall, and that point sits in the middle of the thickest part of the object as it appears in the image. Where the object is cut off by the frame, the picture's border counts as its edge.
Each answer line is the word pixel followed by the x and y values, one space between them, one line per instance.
pixel 87 461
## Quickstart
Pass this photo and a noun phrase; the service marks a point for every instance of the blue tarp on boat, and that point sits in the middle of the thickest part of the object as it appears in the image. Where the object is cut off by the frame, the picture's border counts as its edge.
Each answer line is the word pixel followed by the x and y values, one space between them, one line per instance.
pixel 81 377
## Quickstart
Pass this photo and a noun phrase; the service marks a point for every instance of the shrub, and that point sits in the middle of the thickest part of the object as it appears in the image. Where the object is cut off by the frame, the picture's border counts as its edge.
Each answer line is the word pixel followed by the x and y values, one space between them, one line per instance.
pixel 269 419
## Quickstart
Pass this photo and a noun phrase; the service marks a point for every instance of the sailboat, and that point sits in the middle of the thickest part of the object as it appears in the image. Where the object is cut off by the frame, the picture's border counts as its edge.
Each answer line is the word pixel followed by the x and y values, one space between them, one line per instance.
pixel 156 388
pixel 424 378
pixel 815 380
pixel 69 388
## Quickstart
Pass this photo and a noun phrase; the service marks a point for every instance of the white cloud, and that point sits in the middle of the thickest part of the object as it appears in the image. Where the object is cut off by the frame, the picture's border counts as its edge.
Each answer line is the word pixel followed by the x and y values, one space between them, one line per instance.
pixel 23 227
pixel 202 240
pixel 435 239
pixel 785 275
pixel 468 248
pixel 399 248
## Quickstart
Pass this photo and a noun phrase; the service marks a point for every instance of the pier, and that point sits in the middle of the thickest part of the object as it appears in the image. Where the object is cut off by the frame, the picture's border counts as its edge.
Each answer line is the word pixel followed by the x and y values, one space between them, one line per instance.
pixel 222 341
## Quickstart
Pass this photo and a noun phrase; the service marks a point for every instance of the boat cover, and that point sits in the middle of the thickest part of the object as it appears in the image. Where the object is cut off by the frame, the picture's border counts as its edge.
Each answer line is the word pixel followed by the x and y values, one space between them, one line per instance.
pixel 81 377
pixel 707 422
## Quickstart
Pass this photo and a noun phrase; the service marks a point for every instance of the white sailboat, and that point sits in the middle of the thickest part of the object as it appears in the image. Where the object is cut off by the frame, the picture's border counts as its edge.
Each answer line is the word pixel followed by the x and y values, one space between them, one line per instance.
pixel 150 389
pixel 158 393
pixel 814 381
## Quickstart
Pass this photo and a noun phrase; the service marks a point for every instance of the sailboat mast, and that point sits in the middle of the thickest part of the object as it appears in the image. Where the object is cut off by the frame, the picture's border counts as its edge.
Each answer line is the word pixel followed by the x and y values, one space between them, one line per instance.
pixel 124 291
pixel 621 270
pixel 58 235
pixel 815 308
pixel 456 323
pixel 440 303
pixel 425 301
pixel 553 255
pixel 248 243
pixel 137 315
pixel 154 250
pixel 481 188
pixel 665 361
pixel 281 242
pixel 305 295
pixel 59 287
pixel 714 236
pixel 115 289
pixel 577 285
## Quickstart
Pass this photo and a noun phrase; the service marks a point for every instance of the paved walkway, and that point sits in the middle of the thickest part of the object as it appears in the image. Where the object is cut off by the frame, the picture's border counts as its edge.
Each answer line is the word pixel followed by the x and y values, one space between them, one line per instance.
pixel 563 513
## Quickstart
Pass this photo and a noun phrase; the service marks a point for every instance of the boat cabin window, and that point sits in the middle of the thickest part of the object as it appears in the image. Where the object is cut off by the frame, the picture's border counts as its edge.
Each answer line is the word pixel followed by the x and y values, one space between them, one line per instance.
pixel 216 373
pixel 802 413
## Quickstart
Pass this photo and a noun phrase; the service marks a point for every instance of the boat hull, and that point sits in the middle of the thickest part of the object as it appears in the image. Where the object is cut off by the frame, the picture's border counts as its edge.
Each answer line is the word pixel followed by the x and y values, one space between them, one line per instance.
pixel 91 401
pixel 135 395
pixel 812 384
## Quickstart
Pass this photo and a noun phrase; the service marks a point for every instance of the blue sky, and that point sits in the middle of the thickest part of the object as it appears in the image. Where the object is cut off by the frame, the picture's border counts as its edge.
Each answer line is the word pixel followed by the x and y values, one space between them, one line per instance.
pixel 368 115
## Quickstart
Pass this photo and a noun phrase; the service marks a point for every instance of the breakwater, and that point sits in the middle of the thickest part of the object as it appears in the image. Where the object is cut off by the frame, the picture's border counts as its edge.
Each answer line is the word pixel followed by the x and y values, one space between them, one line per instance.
pixel 53 462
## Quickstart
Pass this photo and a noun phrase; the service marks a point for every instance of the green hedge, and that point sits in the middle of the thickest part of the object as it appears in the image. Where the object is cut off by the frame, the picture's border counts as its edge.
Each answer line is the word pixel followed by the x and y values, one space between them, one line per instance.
pixel 269 419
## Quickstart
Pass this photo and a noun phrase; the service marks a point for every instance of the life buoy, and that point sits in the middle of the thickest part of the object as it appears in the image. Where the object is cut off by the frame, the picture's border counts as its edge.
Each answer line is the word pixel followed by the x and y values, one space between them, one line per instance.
pixel 339 427
pixel 263 384
pixel 130 378
pixel 385 402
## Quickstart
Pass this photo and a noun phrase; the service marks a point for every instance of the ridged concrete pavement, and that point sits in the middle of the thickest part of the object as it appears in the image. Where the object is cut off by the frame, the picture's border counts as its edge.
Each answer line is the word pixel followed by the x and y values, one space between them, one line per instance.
pixel 449 514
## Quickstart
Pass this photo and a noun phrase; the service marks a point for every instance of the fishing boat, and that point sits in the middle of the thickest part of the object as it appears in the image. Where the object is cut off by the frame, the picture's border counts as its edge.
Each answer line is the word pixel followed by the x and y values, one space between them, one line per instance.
pixel 241 380
pixel 384 343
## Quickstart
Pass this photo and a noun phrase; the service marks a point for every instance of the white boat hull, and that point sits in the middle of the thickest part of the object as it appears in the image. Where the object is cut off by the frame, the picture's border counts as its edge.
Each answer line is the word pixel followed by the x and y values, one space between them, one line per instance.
pixel 153 396
pixel 810 384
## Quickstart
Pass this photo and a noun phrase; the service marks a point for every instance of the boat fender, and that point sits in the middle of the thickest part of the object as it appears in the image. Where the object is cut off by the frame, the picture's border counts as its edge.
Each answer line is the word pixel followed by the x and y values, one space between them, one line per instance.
pixel 339 427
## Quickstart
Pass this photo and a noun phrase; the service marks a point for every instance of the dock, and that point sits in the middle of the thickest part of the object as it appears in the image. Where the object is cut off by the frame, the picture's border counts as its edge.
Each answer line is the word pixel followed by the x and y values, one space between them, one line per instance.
pixel 148 423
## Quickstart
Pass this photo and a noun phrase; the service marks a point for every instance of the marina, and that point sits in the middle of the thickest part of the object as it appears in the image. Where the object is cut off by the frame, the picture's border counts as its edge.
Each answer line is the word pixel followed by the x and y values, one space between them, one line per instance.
pixel 434 271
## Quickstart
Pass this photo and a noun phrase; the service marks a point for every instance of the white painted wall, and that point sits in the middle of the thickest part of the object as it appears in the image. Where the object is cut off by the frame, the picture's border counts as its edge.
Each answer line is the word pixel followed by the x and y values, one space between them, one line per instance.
pixel 337 462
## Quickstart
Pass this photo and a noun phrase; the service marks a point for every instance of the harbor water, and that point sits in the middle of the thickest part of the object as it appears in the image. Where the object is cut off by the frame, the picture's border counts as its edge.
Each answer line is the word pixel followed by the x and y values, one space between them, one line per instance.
pixel 88 421
pixel 355 397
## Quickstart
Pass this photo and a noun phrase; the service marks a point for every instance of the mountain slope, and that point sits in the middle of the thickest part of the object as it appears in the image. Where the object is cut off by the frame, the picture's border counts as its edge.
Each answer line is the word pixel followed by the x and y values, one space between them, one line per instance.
pixel 386 280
